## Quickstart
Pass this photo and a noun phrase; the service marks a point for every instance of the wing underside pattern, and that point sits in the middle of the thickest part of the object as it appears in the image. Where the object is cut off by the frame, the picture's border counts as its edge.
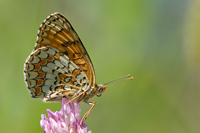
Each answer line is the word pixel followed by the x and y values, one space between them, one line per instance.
pixel 50 74
pixel 57 32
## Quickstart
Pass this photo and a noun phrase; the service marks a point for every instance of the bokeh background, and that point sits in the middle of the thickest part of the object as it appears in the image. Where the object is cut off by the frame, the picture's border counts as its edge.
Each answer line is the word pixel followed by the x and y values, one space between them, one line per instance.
pixel 156 41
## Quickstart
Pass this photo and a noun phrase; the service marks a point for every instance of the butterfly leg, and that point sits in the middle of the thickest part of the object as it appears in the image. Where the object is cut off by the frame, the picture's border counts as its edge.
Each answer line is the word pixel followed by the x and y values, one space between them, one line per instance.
pixel 88 112
pixel 82 93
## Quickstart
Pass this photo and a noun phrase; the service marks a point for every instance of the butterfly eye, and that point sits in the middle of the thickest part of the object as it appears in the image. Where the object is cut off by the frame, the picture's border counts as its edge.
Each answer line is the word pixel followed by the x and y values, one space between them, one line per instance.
pixel 101 90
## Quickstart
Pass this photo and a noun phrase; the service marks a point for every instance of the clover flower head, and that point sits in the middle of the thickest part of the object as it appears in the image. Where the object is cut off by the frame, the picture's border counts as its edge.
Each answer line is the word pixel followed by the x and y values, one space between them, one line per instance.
pixel 67 120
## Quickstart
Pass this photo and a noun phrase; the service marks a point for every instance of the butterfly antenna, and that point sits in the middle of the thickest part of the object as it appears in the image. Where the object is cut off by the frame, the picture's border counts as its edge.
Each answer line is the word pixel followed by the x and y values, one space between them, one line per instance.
pixel 127 77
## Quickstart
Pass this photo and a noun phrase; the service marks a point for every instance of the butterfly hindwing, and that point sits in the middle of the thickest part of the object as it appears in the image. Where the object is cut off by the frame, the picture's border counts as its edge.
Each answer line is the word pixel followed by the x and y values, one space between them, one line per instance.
pixel 50 75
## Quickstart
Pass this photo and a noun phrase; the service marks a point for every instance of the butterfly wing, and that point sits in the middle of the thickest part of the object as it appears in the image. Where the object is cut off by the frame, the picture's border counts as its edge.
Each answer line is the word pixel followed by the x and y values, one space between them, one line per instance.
pixel 59 65
pixel 51 75
pixel 57 32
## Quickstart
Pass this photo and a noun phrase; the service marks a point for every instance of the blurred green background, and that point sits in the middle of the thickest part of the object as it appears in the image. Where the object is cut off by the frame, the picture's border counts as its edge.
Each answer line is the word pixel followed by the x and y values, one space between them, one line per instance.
pixel 156 41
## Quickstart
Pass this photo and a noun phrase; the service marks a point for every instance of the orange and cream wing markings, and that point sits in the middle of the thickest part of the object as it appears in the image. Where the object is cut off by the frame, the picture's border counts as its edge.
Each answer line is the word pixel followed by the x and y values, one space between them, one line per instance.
pixel 54 73
pixel 57 32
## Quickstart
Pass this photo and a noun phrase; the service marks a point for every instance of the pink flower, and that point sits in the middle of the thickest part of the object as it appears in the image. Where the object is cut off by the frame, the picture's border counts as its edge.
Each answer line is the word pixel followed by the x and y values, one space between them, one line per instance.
pixel 66 120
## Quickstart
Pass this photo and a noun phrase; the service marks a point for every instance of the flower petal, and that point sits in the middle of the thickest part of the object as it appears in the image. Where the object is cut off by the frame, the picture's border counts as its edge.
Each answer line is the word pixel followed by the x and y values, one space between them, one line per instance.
pixel 66 120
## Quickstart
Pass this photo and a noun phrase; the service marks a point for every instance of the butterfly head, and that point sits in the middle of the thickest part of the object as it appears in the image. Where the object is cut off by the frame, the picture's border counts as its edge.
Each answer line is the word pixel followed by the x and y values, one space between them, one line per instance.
pixel 101 89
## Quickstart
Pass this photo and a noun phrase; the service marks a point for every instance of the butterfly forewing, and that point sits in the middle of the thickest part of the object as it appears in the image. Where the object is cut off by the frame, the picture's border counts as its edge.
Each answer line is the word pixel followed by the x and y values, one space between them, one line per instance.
pixel 57 32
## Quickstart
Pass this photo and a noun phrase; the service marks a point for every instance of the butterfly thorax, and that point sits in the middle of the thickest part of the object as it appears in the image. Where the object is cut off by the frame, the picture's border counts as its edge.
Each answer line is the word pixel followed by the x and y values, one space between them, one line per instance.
pixel 96 90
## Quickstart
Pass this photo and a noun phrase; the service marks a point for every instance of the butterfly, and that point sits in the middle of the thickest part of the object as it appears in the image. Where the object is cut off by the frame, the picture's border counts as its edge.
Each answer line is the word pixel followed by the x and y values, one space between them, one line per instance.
pixel 59 66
